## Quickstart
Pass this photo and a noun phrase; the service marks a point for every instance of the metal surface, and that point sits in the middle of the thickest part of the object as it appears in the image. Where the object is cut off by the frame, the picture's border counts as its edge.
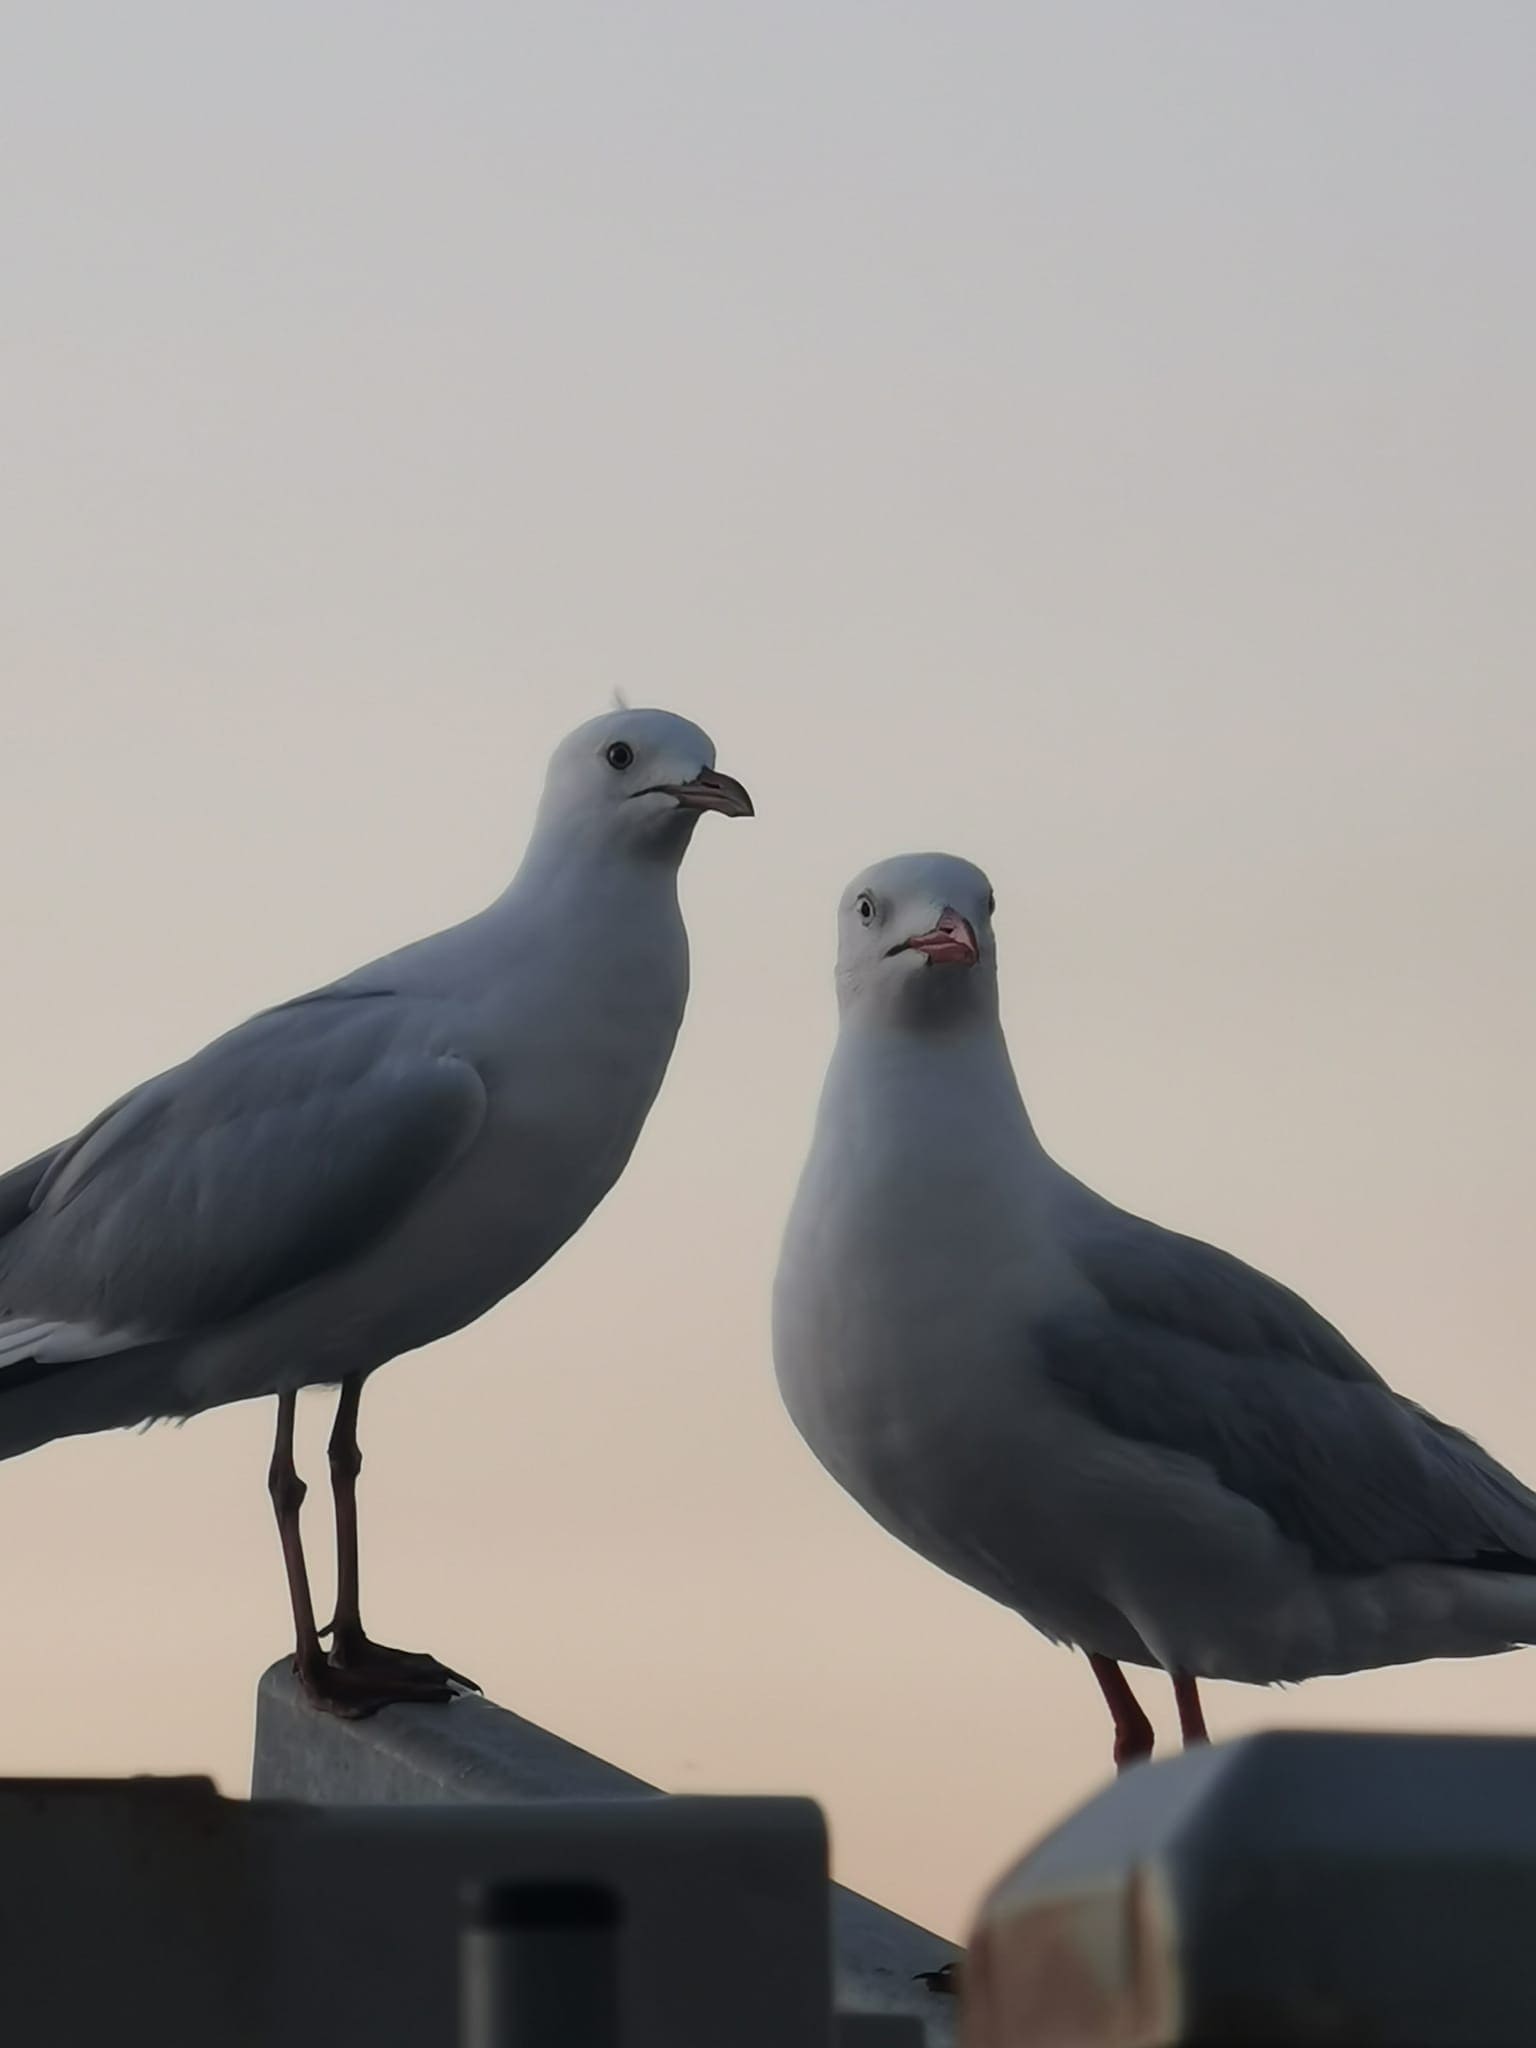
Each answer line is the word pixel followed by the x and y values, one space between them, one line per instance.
pixel 540 1966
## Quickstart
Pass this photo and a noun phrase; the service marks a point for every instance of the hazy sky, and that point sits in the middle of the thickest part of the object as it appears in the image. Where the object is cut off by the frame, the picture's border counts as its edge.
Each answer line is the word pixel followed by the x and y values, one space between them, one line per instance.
pixel 1094 438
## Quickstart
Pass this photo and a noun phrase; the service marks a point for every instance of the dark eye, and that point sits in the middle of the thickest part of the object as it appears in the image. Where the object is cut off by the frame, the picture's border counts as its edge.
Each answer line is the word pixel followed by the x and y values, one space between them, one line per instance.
pixel 620 755
pixel 867 909
pixel 991 901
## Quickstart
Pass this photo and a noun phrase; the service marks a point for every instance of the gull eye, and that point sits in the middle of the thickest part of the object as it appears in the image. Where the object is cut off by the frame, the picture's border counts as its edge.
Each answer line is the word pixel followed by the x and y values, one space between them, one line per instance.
pixel 620 755
pixel 866 909
pixel 991 901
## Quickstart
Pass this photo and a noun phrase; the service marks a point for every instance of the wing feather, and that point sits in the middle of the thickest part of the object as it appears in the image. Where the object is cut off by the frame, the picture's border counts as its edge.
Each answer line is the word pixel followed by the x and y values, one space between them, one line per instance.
pixel 279 1153
pixel 1182 1347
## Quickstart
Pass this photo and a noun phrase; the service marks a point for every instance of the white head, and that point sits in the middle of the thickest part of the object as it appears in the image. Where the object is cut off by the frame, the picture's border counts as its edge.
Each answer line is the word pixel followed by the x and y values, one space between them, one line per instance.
pixel 914 942
pixel 638 779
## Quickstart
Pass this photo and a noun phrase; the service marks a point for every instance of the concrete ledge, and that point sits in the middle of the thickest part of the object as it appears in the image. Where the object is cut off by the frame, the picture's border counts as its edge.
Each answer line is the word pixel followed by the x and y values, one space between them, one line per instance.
pixel 1293 1890
pixel 476 1753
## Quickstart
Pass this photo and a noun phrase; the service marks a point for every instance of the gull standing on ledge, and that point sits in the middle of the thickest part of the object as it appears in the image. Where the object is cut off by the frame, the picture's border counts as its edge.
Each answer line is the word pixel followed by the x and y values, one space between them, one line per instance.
pixel 1141 1445
pixel 364 1169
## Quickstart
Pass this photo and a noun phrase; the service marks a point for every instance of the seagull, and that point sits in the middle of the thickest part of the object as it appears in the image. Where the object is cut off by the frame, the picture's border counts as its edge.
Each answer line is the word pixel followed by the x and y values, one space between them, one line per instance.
pixel 364 1169
pixel 1139 1444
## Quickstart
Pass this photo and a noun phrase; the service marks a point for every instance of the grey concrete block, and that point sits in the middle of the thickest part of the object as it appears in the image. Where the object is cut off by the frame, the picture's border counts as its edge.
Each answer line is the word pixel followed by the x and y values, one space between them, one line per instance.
pixel 125 1915
pixel 474 1751
pixel 156 1912
pixel 1287 1891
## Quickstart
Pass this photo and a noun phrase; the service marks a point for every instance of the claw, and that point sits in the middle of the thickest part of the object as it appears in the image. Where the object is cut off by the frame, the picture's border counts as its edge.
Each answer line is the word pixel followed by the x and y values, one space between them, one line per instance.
pixel 364 1660
pixel 945 1980
pixel 354 1695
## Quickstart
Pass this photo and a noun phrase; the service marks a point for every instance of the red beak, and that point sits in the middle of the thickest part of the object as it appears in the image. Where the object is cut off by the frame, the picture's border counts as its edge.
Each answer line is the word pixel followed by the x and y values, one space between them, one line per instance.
pixel 951 943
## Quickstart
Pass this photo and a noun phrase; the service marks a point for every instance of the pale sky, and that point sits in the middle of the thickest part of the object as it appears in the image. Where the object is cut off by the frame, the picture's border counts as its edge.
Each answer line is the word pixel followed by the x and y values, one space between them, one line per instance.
pixel 1097 439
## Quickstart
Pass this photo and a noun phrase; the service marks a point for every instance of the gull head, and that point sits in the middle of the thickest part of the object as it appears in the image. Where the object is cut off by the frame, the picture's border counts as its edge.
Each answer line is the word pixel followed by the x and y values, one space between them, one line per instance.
pixel 914 941
pixel 639 780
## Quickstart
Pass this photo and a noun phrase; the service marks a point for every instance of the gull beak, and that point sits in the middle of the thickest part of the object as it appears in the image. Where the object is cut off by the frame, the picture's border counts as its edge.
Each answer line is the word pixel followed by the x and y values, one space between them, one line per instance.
pixel 951 943
pixel 709 790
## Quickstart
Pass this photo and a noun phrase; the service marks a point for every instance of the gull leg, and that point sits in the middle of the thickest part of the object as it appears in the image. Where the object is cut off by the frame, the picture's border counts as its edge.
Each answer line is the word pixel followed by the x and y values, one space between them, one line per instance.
pixel 346 1461
pixel 1186 1693
pixel 1133 1731
pixel 352 1651
pixel 288 1490
pixel 336 1692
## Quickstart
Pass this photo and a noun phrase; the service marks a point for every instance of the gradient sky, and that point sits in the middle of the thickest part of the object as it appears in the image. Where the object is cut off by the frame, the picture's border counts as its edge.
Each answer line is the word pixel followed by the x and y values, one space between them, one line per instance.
pixel 1094 438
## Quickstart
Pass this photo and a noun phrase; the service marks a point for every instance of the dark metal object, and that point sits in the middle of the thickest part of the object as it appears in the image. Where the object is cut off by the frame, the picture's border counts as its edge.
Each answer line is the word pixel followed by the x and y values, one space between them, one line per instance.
pixel 876 2030
pixel 539 1967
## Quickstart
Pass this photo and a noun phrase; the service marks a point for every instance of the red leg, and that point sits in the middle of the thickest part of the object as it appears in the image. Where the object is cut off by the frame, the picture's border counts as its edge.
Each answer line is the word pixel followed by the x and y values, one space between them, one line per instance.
pixel 1186 1691
pixel 1133 1731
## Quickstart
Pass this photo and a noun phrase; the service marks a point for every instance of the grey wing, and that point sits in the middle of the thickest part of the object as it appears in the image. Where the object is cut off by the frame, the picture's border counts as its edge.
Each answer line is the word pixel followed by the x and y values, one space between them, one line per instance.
pixel 19 1186
pixel 1185 1348
pixel 277 1154
pixel 1163 1280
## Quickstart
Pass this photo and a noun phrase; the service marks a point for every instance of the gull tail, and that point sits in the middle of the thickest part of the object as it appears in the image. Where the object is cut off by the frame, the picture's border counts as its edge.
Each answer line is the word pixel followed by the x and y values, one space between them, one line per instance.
pixel 41 1399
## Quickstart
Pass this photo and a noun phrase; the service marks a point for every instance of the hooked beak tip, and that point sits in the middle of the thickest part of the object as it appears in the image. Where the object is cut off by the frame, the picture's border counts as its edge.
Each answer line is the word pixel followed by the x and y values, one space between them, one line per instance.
pixel 710 790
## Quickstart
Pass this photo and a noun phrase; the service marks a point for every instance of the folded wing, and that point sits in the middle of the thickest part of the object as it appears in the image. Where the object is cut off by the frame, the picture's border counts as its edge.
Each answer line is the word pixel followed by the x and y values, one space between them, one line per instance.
pixel 276 1155
pixel 1182 1347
